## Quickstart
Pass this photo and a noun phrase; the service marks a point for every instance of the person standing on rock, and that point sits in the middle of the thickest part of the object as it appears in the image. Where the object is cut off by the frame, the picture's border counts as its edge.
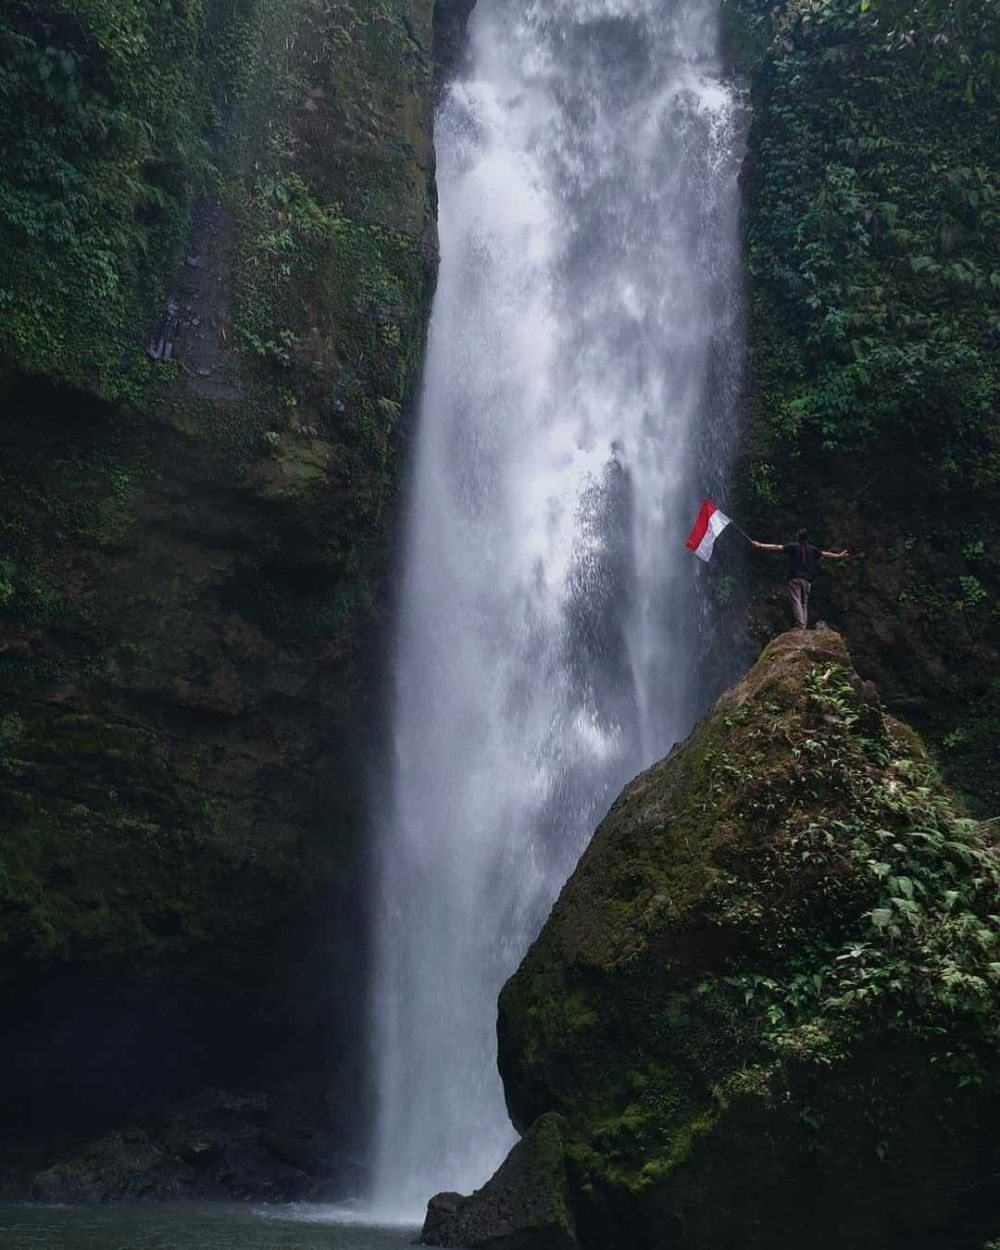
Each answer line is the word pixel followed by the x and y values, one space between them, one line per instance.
pixel 803 561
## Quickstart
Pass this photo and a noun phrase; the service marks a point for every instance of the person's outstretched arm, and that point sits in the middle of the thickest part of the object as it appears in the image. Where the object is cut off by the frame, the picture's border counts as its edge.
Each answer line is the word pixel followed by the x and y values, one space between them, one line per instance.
pixel 836 555
pixel 771 546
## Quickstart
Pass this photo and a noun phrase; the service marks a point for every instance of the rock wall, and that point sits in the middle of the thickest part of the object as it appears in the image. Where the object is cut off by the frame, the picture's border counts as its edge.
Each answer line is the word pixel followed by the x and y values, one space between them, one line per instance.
pixel 764 1010
pixel 218 227
pixel 872 206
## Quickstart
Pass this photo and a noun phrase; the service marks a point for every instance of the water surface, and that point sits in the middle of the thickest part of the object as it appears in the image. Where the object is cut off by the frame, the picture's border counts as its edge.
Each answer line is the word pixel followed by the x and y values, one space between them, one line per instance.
pixel 189 1226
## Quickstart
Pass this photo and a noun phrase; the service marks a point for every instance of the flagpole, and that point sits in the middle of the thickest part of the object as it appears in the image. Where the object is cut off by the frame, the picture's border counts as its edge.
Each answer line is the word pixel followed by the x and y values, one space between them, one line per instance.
pixel 741 530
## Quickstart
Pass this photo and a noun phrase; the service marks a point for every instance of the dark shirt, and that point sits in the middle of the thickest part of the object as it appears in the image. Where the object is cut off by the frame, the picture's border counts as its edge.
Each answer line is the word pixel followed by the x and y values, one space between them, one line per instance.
pixel 797 567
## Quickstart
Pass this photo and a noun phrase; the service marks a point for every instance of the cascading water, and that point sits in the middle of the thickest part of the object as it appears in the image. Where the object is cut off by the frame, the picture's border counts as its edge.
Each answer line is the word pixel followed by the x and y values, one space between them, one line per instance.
pixel 580 347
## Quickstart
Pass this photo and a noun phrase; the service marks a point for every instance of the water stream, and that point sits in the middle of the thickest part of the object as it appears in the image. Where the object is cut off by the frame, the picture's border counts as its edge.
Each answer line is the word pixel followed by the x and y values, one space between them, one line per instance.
pixel 576 404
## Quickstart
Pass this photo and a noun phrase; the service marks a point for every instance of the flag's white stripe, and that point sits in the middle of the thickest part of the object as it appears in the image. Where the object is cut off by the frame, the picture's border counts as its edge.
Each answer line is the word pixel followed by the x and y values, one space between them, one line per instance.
pixel 717 522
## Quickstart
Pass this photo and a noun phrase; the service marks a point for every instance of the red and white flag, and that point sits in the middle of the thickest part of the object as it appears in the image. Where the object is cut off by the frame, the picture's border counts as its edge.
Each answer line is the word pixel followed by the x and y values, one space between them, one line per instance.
pixel 707 528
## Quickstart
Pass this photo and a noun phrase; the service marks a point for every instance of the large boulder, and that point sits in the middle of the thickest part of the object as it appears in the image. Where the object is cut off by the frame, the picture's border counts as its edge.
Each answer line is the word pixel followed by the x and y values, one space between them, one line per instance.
pixel 765 1004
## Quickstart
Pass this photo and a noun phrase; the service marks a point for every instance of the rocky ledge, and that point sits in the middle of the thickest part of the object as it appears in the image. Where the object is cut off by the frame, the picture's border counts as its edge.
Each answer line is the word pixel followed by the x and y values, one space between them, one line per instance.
pixel 219 1145
pixel 764 1009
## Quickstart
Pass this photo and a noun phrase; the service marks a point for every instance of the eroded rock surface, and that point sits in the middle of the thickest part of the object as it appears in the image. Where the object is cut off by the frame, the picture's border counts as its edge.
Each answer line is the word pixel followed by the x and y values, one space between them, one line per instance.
pixel 207 351
pixel 219 1145
pixel 522 1207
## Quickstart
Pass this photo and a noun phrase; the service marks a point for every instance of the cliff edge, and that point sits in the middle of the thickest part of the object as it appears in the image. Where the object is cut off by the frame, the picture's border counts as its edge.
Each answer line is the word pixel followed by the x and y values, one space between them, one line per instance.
pixel 219 222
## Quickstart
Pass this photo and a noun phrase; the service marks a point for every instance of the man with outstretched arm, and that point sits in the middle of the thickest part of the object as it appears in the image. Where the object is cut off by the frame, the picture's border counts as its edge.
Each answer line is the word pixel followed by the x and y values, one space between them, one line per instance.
pixel 803 561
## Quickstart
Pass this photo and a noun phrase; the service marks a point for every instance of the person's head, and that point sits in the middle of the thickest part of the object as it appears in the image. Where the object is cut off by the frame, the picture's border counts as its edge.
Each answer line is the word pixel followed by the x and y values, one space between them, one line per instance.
pixel 802 535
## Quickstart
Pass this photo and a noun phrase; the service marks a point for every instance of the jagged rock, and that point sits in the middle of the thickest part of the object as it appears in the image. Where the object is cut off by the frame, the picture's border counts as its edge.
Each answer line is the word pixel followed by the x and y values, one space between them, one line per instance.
pixel 522 1207
pixel 124 1164
pixel 440 1210
pixel 764 1007
pixel 450 18
pixel 219 1145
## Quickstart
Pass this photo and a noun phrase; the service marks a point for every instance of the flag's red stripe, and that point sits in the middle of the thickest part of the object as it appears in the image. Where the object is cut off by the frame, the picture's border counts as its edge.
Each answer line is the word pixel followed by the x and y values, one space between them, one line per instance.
pixel 700 525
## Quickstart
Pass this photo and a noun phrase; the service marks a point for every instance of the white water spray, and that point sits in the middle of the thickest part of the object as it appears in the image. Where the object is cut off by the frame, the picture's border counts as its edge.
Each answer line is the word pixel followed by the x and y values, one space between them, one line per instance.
pixel 548 643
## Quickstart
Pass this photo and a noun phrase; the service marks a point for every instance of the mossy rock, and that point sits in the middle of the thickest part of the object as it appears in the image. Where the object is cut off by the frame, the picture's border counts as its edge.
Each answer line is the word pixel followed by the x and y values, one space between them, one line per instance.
pixel 764 1005
pixel 525 1206
pixel 221 225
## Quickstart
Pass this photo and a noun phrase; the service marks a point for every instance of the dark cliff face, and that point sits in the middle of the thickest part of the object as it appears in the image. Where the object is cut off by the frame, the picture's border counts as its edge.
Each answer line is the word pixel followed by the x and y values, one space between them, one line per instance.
pixel 871 215
pixel 219 242
pixel 763 1010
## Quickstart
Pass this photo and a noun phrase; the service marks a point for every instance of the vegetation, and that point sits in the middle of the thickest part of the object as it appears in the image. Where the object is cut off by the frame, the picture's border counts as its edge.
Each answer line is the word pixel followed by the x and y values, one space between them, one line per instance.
pixel 101 121
pixel 116 120
pixel 929 945
pixel 873 205
pixel 781 945
pixel 193 549
pixel 878 238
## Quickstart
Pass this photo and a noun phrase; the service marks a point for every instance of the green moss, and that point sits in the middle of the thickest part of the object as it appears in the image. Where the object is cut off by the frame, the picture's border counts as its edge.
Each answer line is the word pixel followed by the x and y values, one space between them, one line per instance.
pixel 106 856
pixel 548 1164
pixel 193 551
pixel 871 209
pixel 767 933
pixel 100 142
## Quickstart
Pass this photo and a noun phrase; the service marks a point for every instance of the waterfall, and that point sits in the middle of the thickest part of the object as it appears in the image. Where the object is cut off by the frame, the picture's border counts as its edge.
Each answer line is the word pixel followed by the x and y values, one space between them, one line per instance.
pixel 579 367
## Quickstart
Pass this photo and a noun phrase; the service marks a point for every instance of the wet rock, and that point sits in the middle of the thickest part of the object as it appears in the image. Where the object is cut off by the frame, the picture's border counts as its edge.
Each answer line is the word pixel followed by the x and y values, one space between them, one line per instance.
pixel 124 1164
pixel 219 1146
pixel 450 20
pixel 523 1206
pixel 753 1012
pixel 196 779
pixel 441 1211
